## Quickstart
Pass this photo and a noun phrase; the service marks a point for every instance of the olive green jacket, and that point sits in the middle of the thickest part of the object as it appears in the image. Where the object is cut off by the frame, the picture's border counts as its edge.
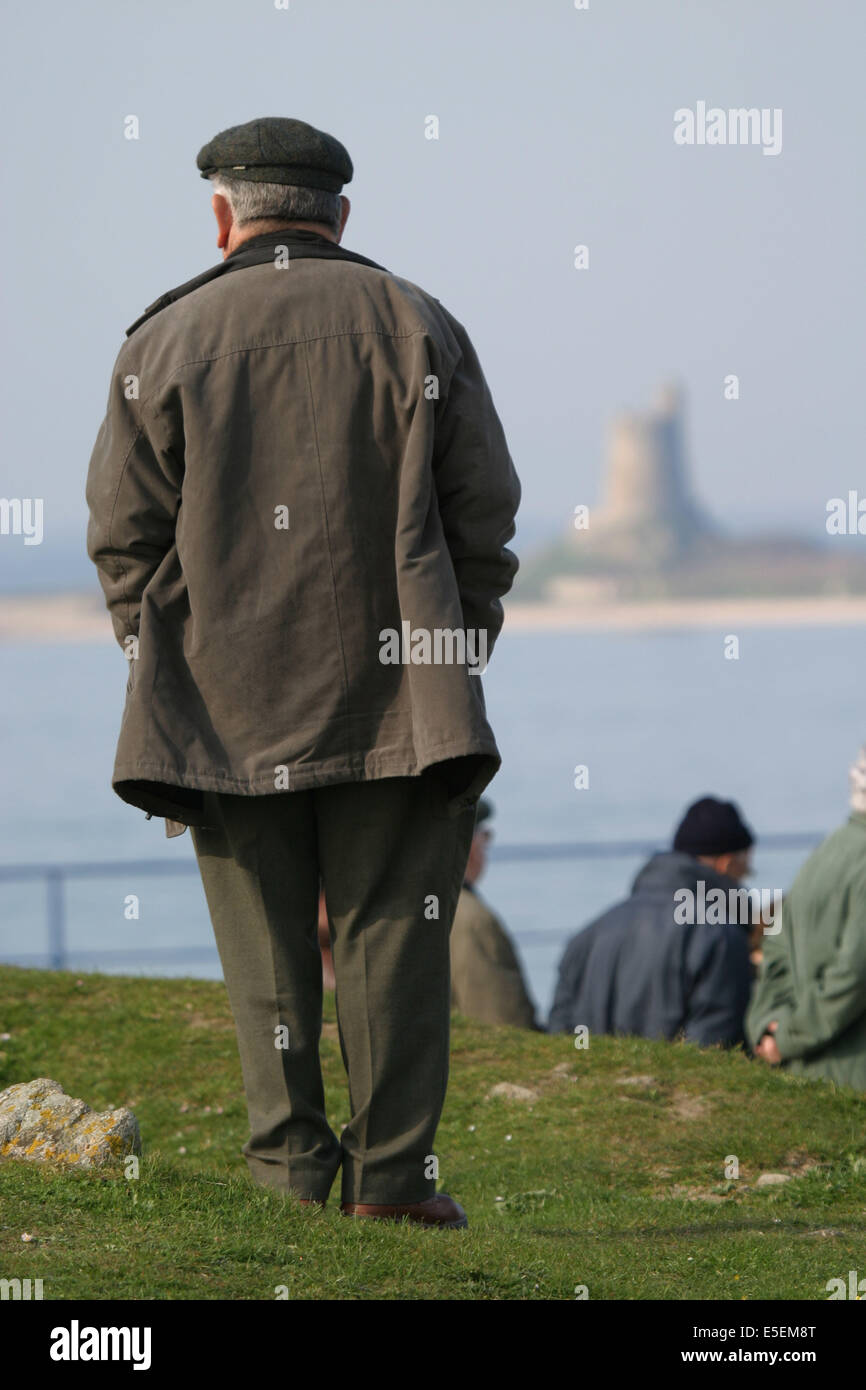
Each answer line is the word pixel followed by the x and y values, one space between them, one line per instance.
pixel 813 976
pixel 298 459
pixel 486 979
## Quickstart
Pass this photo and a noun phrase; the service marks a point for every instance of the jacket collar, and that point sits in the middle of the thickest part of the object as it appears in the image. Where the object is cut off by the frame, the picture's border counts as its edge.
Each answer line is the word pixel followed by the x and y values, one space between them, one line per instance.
pixel 670 870
pixel 259 250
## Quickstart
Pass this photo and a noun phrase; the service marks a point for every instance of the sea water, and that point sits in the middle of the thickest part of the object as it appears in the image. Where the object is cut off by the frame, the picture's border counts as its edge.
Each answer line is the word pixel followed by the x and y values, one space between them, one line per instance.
pixel 655 719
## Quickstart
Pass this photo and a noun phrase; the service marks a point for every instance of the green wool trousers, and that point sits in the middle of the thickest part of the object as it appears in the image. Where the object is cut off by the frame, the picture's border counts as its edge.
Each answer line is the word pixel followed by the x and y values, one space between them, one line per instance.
pixel 392 860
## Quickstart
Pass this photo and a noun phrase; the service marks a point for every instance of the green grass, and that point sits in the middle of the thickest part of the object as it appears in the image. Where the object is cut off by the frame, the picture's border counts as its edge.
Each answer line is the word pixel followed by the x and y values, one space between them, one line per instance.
pixel 612 1178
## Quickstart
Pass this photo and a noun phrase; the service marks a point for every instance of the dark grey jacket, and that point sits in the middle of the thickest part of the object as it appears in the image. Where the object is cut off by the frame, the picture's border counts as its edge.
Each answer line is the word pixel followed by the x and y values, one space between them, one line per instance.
pixel 637 970
pixel 299 456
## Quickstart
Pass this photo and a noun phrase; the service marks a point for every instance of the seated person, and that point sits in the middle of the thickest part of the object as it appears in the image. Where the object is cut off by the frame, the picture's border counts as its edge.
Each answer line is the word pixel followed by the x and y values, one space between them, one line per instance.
pixel 486 979
pixel 808 1012
pixel 643 968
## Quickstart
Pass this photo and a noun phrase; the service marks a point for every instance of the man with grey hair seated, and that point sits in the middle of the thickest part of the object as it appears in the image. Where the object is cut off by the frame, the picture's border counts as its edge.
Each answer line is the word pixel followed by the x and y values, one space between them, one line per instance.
pixel 808 1012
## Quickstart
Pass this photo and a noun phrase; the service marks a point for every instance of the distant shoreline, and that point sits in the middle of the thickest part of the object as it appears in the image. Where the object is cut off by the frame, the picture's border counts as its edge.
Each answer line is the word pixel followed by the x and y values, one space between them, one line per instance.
pixel 83 618
pixel 681 614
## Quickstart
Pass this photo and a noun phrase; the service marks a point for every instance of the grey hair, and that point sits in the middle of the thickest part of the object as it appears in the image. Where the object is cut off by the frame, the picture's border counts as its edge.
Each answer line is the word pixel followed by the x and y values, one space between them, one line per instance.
pixel 278 202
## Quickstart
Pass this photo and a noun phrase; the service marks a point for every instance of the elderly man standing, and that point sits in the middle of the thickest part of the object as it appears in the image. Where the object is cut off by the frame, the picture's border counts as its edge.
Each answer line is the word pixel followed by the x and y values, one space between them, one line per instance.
pixel 300 500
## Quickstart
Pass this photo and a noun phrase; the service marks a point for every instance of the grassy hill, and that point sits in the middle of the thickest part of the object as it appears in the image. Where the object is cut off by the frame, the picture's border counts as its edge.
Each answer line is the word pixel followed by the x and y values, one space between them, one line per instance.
pixel 611 1175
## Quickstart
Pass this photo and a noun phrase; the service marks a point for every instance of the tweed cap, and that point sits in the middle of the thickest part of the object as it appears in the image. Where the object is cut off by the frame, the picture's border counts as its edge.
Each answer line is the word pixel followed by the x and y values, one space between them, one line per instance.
pixel 276 149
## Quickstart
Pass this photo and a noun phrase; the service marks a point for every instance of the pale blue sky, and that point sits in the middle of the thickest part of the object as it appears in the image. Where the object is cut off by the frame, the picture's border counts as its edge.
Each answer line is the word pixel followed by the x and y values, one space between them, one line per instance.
pixel 556 127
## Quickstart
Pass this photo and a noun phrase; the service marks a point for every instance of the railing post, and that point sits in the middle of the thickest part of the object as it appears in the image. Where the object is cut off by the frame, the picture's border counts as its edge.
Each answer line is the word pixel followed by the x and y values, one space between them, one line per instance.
pixel 56 919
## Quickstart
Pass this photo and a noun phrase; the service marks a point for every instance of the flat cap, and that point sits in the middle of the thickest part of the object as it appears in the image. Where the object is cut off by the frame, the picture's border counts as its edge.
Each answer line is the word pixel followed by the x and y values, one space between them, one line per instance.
pixel 276 149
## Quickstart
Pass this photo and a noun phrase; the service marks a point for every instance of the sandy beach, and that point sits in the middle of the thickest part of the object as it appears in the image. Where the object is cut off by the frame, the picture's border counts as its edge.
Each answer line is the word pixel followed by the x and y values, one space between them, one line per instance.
pixel 83 617
pixel 54 618
pixel 728 614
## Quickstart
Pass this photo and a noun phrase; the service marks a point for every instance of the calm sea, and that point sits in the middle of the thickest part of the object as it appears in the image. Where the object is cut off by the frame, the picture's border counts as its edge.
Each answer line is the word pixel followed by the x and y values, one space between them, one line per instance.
pixel 658 719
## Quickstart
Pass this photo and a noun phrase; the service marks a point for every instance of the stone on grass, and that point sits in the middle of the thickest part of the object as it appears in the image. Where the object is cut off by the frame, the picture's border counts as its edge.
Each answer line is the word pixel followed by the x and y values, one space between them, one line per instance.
pixel 39 1121
pixel 772 1179
pixel 506 1090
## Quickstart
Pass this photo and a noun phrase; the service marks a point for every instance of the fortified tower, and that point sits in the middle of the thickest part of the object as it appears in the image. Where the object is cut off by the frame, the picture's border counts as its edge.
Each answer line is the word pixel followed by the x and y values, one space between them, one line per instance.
pixel 647 515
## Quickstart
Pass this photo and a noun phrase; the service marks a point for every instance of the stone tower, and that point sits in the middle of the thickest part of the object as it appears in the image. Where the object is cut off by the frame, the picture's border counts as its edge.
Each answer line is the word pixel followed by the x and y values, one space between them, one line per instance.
pixel 647 515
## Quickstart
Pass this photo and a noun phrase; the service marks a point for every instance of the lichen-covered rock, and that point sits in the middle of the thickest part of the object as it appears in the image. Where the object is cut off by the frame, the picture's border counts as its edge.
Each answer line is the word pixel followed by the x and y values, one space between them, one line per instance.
pixel 38 1120
pixel 507 1090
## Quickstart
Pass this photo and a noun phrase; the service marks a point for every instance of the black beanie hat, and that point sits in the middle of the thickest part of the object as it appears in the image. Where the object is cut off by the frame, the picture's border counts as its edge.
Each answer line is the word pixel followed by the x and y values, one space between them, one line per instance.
pixel 712 827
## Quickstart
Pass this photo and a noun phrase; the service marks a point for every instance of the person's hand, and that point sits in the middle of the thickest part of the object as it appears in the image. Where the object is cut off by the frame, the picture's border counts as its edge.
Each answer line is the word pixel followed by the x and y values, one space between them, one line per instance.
pixel 767 1048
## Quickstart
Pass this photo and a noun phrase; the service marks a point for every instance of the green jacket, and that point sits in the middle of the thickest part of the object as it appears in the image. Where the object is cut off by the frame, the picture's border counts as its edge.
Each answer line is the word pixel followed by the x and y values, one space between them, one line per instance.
pixel 813 976
pixel 486 979
pixel 300 469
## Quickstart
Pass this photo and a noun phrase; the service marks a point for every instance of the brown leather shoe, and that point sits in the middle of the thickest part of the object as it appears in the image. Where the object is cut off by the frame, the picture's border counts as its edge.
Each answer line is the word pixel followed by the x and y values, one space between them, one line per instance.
pixel 440 1210
pixel 311 1202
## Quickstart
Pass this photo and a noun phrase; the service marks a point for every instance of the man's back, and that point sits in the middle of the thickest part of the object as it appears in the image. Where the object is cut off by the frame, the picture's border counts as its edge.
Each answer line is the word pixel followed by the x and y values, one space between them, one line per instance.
pixel 322 438
pixel 637 970
pixel 300 500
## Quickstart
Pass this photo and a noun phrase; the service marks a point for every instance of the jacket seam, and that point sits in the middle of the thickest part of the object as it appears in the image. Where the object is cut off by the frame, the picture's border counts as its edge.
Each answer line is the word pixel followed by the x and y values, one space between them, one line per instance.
pixel 328 533
pixel 282 342
pixel 124 596
pixel 478 747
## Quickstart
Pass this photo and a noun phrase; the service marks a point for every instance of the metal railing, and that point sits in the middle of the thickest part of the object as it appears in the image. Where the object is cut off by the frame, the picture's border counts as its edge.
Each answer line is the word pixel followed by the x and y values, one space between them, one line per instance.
pixel 56 876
